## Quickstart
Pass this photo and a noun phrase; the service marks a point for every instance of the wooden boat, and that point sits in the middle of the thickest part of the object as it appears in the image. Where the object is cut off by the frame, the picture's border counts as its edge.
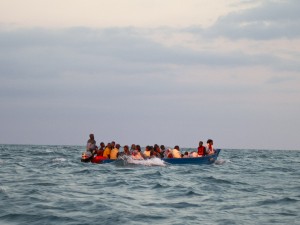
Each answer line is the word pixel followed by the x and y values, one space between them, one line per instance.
pixel 209 159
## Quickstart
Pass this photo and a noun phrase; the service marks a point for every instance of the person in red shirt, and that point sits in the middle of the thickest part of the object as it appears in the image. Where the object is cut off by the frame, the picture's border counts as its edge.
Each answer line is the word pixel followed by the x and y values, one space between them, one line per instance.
pixel 210 148
pixel 201 149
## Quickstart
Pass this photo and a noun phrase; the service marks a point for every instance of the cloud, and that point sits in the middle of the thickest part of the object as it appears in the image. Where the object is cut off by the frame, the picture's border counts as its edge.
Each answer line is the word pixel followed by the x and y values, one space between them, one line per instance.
pixel 46 63
pixel 39 52
pixel 272 19
pixel 280 79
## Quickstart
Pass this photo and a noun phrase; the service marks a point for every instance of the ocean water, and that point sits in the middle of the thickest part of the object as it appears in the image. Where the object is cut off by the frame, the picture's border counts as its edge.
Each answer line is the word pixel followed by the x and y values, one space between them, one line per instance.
pixel 49 185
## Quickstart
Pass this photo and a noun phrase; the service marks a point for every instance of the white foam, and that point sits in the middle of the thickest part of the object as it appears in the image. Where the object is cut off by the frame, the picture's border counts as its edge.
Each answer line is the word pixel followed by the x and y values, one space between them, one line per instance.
pixel 221 161
pixel 145 162
pixel 3 189
pixel 59 160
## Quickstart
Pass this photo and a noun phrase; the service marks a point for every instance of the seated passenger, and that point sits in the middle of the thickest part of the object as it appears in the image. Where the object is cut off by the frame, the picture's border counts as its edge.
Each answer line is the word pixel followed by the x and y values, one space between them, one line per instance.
pixel 101 149
pixel 147 152
pixel 176 152
pixel 113 143
pixel 210 149
pixel 154 154
pixel 163 149
pixel 125 150
pixel 193 154
pixel 132 148
pixel 201 149
pixel 107 150
pixel 168 153
pixel 157 151
pixel 186 155
pixel 137 153
pixel 114 153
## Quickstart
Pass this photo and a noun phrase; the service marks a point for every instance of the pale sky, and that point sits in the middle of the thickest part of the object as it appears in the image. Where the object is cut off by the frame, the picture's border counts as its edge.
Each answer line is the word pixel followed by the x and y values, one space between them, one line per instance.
pixel 115 13
pixel 167 72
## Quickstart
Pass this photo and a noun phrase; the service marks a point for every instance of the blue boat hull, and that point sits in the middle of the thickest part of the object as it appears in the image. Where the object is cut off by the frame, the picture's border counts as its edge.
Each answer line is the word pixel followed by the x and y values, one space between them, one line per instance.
pixel 209 159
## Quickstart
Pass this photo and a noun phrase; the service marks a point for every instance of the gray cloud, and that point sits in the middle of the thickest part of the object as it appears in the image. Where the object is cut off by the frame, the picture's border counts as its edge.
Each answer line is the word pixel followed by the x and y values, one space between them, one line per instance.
pixel 47 53
pixel 270 20
pixel 39 63
pixel 282 79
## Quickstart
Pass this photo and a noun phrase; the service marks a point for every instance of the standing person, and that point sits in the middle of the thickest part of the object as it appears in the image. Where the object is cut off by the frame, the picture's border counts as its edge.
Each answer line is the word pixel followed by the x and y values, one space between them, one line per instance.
pixel 176 152
pixel 201 149
pixel 91 144
pixel 114 153
pixel 209 147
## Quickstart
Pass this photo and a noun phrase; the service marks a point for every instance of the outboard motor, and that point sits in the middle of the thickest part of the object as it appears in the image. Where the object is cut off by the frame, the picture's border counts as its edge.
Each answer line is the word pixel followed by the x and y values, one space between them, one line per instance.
pixel 86 157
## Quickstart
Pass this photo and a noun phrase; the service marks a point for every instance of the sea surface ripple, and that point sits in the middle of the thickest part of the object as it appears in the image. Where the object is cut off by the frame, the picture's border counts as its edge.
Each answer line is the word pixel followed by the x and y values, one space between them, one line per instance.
pixel 49 185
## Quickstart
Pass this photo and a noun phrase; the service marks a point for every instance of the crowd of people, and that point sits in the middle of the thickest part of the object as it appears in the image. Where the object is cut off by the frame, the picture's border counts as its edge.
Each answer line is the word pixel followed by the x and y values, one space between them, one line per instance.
pixel 112 151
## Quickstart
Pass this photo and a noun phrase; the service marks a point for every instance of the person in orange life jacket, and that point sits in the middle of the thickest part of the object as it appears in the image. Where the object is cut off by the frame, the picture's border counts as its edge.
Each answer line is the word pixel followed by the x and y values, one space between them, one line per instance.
pixel 137 153
pixel 114 153
pixel 201 149
pixel 107 150
pixel 209 147
pixel 147 152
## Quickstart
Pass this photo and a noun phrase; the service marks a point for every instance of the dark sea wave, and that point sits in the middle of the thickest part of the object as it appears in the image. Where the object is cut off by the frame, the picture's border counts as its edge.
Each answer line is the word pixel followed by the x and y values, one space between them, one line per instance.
pixel 49 185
